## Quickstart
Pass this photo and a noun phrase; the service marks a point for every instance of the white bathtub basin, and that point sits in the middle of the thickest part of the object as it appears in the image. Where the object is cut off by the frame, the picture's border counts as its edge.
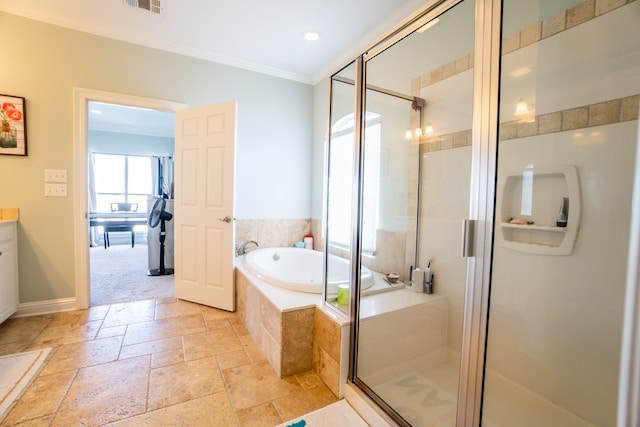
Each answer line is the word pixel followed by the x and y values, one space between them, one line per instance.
pixel 301 269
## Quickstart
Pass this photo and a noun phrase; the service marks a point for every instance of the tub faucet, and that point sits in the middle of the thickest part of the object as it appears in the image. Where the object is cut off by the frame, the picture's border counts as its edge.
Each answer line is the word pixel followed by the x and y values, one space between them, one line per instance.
pixel 242 250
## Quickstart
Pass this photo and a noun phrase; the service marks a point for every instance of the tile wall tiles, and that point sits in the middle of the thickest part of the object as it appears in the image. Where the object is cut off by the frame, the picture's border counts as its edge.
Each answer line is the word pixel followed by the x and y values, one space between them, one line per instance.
pixel 554 24
pixel 297 341
pixel 511 43
pixel 604 6
pixel 327 368
pixel 531 34
pixel 448 141
pixel 306 339
pixel 326 350
pixel 602 113
pixel 549 123
pixel 450 69
pixel 285 338
pixel 272 319
pixel 326 333
pixel 272 351
pixel 580 13
pixel 270 233
pixel 390 253
pixel 316 230
pixel 629 108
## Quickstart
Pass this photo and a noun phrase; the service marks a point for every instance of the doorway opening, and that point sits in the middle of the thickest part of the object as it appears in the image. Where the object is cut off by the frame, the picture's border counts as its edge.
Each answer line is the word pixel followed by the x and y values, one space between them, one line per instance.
pixel 130 166
pixel 116 143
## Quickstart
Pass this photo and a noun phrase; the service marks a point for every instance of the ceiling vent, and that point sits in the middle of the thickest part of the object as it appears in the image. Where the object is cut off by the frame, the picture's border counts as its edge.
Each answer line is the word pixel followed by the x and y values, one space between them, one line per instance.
pixel 154 6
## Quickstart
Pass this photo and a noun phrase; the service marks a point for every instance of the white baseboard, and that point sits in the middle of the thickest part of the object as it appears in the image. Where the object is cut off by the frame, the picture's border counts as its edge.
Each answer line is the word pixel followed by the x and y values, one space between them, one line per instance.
pixel 46 307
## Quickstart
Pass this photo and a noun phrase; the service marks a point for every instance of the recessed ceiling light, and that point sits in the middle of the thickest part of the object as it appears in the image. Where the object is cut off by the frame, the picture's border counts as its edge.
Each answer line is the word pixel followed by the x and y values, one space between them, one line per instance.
pixel 311 35
pixel 96 111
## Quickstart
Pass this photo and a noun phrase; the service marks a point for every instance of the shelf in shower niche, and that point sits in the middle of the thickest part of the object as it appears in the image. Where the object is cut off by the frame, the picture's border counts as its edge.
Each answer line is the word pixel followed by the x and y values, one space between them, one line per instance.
pixel 535 227
pixel 539 191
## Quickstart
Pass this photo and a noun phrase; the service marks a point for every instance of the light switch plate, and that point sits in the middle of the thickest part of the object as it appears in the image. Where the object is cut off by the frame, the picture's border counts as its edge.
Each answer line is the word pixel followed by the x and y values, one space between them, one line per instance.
pixel 55 175
pixel 55 190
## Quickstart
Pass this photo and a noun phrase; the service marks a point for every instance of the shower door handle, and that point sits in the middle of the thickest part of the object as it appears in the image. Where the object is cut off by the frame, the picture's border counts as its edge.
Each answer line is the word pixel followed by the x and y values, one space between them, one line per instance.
pixel 468 233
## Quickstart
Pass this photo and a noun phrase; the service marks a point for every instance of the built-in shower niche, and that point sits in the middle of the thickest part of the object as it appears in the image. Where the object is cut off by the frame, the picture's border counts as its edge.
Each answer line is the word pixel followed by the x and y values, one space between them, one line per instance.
pixel 535 195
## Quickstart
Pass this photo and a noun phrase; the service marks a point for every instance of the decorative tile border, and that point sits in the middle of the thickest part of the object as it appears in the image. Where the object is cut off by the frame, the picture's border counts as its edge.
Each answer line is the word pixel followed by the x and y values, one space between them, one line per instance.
pixel 448 141
pixel 602 113
pixel 579 14
pixel 457 66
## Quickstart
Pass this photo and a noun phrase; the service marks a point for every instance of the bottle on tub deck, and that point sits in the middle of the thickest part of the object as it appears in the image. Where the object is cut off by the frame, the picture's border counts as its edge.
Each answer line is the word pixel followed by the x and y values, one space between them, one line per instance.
pixel 308 241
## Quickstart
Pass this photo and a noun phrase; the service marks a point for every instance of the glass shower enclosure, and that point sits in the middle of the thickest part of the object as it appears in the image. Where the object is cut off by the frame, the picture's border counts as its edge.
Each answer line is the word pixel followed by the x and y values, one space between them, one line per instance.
pixel 481 162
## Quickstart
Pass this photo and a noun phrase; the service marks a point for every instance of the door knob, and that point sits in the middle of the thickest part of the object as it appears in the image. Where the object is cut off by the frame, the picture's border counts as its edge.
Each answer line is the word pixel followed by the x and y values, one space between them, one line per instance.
pixel 225 219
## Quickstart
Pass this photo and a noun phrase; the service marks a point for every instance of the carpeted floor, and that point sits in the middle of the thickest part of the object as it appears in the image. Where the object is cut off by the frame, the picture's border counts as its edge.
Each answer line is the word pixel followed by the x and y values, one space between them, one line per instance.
pixel 119 274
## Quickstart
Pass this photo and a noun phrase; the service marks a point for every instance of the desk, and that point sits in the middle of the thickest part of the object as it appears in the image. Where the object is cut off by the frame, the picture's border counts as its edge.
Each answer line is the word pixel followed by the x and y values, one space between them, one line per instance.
pixel 117 222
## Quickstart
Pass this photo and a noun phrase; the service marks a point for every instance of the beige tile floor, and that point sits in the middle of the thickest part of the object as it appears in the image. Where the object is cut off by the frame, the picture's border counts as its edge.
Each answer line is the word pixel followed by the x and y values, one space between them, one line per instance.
pixel 158 362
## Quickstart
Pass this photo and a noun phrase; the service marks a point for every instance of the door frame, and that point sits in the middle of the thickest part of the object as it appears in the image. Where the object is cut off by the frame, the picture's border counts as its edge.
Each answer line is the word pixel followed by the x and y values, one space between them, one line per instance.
pixel 81 98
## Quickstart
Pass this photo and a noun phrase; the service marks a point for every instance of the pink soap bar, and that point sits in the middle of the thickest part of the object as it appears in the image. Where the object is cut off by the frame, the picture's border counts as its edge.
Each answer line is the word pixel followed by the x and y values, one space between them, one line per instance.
pixel 518 221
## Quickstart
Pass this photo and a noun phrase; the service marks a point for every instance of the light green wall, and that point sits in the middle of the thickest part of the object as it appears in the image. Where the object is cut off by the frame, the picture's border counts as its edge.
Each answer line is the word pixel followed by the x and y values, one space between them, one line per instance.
pixel 43 63
pixel 320 115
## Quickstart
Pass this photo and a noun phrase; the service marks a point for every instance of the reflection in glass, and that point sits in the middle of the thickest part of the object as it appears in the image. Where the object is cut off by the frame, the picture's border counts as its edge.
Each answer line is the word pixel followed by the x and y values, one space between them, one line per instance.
pixel 420 90
pixel 341 149
pixel 557 293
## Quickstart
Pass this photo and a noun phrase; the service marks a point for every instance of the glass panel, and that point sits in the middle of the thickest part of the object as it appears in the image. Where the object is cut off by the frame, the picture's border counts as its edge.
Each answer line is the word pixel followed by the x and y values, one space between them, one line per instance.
pixel 340 187
pixel 567 140
pixel 417 164
pixel 109 173
pixel 139 175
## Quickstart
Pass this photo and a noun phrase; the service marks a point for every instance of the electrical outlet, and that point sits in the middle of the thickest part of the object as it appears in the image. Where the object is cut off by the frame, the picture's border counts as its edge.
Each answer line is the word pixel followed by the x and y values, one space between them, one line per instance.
pixel 55 190
pixel 55 175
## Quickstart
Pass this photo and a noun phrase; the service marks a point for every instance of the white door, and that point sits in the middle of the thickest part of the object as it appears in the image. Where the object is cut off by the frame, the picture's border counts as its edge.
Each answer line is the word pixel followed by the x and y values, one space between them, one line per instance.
pixel 204 205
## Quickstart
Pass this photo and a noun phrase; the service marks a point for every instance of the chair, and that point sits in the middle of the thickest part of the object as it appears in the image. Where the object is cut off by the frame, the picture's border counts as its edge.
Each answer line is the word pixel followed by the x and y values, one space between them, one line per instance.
pixel 119 227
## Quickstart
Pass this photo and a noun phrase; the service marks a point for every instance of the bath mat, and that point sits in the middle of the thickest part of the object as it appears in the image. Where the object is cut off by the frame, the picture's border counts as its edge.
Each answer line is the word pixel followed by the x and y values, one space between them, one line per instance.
pixel 419 400
pixel 16 372
pixel 337 414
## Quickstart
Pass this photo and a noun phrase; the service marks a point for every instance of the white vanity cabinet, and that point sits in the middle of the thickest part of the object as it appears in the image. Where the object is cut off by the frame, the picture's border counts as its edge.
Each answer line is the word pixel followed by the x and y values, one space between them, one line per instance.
pixel 8 269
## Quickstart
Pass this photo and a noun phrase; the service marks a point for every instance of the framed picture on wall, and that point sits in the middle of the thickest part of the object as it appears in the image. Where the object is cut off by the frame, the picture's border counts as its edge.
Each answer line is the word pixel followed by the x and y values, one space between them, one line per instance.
pixel 13 125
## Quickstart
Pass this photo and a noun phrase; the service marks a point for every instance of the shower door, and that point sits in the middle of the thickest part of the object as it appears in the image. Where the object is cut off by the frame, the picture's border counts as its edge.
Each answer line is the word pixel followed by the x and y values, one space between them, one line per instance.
pixel 523 116
pixel 568 129
pixel 416 180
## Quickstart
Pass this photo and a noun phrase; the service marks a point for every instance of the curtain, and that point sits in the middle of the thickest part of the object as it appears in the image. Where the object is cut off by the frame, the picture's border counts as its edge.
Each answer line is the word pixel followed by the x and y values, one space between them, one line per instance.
pixel 164 165
pixel 93 202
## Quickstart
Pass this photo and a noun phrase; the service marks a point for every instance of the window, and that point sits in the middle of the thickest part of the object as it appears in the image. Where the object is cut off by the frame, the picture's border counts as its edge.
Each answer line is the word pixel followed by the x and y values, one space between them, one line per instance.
pixel 341 181
pixel 121 178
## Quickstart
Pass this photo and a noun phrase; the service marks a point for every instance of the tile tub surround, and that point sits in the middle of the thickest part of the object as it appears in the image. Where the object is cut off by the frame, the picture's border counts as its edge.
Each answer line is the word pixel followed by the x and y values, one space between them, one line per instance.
pixel 263 307
pixel 294 330
pixel 271 233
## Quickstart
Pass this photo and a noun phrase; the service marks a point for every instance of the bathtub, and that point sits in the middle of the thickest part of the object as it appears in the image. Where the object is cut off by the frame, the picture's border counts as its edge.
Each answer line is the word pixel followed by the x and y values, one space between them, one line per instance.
pixel 301 269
